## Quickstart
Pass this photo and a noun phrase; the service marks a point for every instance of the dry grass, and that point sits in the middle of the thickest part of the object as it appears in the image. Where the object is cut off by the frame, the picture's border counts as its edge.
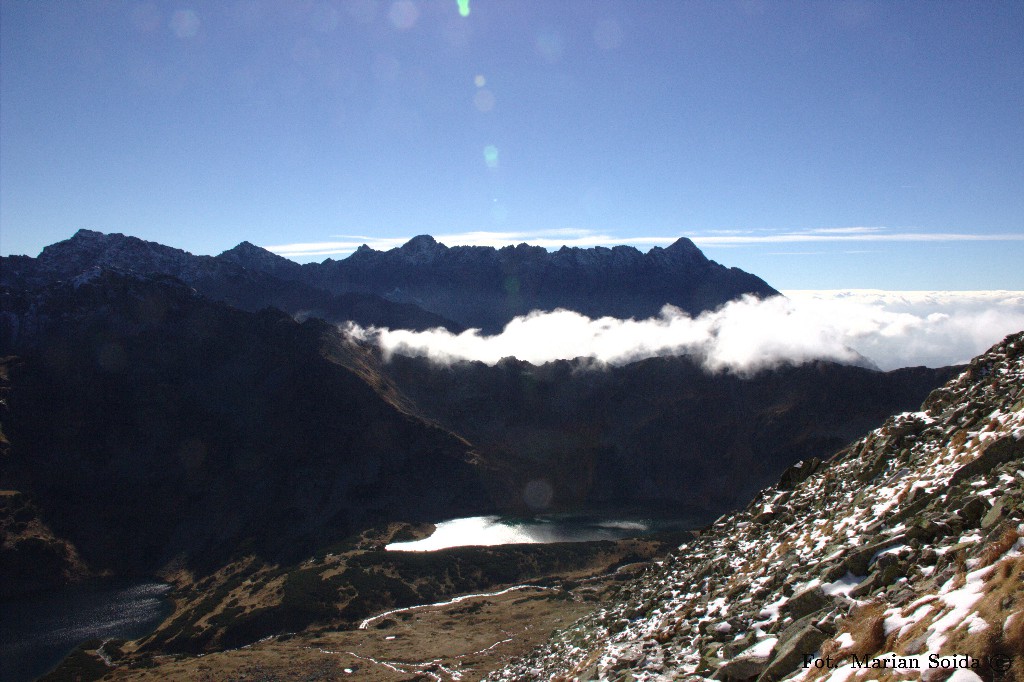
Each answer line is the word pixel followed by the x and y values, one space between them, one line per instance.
pixel 866 626
pixel 1003 597
pixel 1001 607
pixel 901 497
pixel 1000 547
pixel 783 547
pixel 1013 640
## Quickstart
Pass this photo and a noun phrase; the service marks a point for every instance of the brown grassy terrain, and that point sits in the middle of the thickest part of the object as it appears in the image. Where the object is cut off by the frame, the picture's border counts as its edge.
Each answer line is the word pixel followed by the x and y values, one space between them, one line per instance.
pixel 469 638
pixel 252 621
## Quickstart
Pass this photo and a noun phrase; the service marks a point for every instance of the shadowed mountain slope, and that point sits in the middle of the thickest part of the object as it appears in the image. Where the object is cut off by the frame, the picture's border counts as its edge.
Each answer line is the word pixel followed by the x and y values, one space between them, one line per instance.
pixel 149 425
pixel 658 433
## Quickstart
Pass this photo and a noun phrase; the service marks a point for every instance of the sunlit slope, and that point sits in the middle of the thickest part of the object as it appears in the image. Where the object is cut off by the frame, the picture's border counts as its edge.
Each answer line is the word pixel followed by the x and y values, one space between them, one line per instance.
pixel 908 542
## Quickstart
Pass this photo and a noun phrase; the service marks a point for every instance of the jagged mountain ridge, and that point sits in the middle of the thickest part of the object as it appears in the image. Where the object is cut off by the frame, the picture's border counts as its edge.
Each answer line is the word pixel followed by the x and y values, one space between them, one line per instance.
pixel 420 284
pixel 245 277
pixel 907 543
pixel 486 287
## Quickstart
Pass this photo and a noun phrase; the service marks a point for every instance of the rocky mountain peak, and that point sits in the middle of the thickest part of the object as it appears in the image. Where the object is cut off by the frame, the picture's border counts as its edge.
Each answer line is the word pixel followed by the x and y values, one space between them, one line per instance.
pixel 87 249
pixel 684 245
pixel 248 255
pixel 247 248
pixel 421 249
pixel 682 251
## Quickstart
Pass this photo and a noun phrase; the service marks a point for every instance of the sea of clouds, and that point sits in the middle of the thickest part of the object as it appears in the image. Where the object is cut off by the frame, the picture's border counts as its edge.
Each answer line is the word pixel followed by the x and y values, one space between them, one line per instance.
pixel 890 328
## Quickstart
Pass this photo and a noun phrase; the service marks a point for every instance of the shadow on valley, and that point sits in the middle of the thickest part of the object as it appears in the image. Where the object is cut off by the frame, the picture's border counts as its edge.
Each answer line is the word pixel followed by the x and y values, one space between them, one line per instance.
pixel 151 428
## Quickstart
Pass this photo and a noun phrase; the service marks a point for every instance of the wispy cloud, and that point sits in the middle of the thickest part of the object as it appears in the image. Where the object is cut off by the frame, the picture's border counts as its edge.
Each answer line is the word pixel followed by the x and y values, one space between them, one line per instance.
pixel 549 239
pixel 852 234
pixel 893 329
pixel 553 239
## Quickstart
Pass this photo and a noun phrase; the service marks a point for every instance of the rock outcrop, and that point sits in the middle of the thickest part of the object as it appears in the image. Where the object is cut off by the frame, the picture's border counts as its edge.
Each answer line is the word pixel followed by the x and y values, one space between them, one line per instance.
pixel 905 548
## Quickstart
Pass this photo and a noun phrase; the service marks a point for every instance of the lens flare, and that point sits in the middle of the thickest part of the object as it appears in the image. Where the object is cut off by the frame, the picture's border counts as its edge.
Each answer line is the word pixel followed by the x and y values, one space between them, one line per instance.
pixel 549 46
pixel 463 8
pixel 491 156
pixel 538 493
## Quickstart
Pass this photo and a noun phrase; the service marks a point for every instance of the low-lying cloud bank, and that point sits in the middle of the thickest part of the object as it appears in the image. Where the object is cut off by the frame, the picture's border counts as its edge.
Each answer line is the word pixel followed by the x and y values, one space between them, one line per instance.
pixel 890 328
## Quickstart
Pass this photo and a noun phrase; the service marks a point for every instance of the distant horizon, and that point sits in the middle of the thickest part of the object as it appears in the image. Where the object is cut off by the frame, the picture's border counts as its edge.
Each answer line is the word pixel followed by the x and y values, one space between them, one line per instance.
pixel 816 145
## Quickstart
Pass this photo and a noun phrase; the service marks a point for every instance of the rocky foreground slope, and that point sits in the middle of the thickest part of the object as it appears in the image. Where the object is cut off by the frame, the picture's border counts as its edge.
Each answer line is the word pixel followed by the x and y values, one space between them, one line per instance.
pixel 904 549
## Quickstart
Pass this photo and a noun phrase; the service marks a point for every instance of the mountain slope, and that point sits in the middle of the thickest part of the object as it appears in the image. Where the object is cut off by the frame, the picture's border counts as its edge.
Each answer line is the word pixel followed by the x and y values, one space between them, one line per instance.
pixel 661 433
pixel 149 425
pixel 906 544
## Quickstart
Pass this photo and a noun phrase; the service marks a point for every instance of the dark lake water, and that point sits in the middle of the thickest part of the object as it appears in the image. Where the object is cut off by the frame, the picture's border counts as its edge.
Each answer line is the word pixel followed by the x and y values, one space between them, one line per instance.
pixel 37 632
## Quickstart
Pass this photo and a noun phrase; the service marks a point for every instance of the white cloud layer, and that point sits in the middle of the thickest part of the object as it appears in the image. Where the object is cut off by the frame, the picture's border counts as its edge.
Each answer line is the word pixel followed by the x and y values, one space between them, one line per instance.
pixel 891 328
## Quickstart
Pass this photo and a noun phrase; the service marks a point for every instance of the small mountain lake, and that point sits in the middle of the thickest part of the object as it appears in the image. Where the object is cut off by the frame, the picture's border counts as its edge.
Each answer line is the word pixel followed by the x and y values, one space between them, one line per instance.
pixel 38 631
pixel 500 530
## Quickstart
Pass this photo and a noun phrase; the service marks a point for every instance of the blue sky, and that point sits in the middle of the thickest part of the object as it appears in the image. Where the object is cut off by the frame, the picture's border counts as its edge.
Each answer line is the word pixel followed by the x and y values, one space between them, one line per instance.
pixel 818 145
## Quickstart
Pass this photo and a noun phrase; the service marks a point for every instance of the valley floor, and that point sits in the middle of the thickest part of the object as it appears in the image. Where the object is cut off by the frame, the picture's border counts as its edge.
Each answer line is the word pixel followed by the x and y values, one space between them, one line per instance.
pixel 458 634
pixel 453 642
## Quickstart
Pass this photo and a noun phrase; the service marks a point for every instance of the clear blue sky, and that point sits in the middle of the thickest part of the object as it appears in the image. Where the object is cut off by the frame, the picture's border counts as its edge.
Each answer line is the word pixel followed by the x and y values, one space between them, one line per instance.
pixel 817 144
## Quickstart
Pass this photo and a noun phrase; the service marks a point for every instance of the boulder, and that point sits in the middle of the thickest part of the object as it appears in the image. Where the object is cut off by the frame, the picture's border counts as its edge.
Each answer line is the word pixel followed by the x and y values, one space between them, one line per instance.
pixel 995 514
pixel 745 667
pixel 788 655
pixel 973 510
pixel 995 453
pixel 806 602
pixel 798 473
pixel 879 579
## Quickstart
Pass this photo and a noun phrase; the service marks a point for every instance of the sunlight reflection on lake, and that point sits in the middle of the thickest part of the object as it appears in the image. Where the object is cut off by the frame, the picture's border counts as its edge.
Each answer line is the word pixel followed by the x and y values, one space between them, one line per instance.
pixel 497 530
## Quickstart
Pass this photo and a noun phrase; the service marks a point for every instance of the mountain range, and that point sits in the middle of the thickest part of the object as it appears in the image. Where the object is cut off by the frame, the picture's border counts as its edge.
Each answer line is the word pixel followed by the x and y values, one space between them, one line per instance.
pixel 208 420
pixel 150 423
pixel 418 285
